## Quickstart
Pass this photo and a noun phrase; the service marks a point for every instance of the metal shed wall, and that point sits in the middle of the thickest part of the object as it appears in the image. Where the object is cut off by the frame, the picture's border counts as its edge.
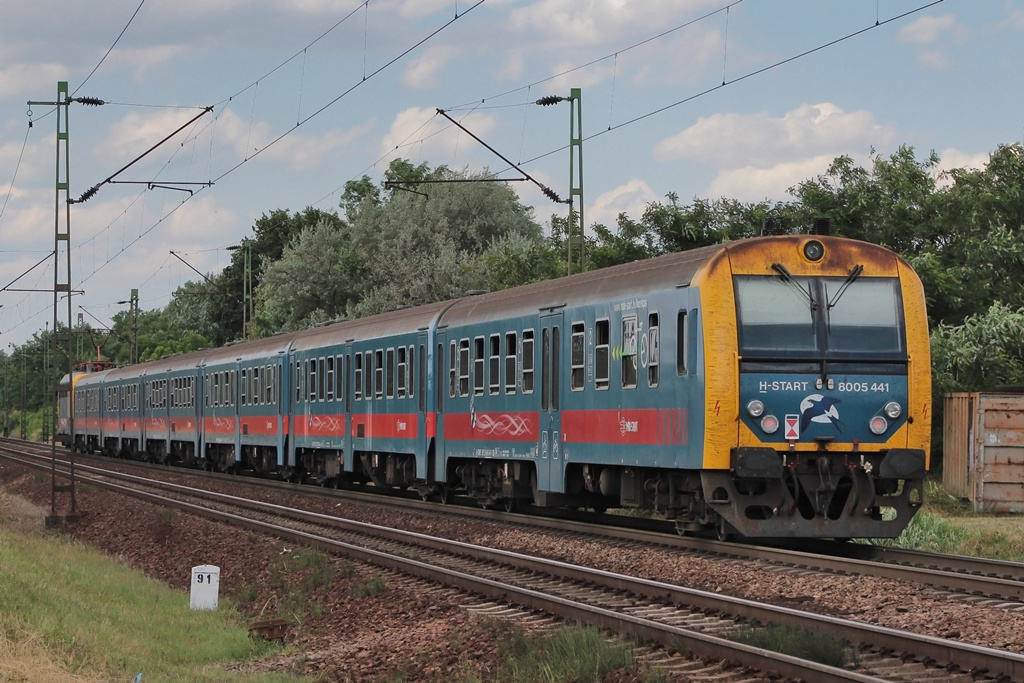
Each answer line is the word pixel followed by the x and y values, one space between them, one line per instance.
pixel 983 449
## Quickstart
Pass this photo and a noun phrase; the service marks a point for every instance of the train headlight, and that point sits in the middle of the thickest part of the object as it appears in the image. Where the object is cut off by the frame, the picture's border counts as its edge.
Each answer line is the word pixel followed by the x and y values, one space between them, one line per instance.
pixel 892 410
pixel 769 424
pixel 814 250
pixel 878 425
pixel 755 409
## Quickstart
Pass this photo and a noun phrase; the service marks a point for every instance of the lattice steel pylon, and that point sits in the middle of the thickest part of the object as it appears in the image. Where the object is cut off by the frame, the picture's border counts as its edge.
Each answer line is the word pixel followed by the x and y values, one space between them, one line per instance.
pixel 62 285
pixel 576 173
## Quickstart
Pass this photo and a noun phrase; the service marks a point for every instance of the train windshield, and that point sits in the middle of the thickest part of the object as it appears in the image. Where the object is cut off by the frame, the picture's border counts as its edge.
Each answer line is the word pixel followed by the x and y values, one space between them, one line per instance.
pixel 820 317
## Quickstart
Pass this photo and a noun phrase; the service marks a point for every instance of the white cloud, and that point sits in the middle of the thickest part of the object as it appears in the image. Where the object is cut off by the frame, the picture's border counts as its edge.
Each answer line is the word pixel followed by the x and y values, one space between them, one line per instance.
pixel 732 141
pixel 588 22
pixel 19 79
pixel 927 29
pixel 233 140
pixel 144 60
pixel 421 74
pixel 930 34
pixel 953 158
pixel 630 198
pixel 421 133
pixel 754 184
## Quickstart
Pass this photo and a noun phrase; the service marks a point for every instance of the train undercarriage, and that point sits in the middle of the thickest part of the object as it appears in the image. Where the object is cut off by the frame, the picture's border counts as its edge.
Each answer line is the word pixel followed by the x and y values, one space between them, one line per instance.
pixel 765 493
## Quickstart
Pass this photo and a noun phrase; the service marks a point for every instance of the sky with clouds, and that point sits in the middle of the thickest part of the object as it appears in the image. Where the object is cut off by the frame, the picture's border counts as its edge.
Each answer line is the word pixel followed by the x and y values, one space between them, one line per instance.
pixel 701 98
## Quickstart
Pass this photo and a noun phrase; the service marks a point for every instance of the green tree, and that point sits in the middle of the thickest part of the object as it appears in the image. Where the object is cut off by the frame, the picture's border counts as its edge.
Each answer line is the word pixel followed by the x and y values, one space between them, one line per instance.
pixel 271 233
pixel 985 351
pixel 422 246
pixel 314 280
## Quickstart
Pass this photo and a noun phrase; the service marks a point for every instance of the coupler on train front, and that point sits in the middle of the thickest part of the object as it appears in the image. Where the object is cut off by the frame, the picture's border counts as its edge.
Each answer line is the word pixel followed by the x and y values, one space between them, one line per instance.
pixel 821 494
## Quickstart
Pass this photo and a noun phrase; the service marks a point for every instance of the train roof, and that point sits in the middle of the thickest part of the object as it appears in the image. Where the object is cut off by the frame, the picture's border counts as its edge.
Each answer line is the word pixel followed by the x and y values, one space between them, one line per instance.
pixel 606 284
pixel 401 321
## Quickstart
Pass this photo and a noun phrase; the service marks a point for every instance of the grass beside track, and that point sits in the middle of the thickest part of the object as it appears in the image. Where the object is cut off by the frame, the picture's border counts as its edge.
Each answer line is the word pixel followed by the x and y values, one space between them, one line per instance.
pixel 70 613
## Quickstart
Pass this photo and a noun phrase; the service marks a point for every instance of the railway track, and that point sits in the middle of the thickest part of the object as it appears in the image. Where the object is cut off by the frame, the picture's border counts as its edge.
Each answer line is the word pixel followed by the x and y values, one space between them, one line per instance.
pixel 970 578
pixel 674 616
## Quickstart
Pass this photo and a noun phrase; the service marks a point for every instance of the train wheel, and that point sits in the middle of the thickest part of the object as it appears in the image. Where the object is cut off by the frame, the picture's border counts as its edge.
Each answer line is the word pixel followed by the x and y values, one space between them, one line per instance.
pixel 723 531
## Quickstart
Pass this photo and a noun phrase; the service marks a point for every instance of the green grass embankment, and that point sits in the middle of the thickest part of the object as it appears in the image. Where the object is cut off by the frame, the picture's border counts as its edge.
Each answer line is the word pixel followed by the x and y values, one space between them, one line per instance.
pixel 69 613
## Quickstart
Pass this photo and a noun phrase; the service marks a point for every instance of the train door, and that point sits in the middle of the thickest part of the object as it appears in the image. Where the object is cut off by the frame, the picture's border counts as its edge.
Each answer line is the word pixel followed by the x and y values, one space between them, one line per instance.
pixel 425 459
pixel 349 391
pixel 442 388
pixel 550 400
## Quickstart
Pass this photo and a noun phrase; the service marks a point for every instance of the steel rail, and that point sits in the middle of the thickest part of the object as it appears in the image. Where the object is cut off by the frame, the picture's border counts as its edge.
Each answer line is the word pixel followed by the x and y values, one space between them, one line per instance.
pixel 967 575
pixel 923 648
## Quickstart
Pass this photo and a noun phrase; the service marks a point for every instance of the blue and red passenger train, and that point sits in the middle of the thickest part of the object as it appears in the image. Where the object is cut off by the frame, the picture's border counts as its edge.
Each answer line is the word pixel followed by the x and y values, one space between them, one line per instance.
pixel 769 387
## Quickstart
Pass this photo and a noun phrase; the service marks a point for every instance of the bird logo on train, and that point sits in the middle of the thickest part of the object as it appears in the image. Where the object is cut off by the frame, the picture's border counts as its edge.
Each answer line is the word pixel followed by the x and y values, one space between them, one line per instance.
pixel 821 410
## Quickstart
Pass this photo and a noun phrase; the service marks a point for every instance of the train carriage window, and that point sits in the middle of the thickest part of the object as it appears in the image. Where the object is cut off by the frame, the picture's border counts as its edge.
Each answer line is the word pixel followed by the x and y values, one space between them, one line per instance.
pixel 478 367
pixel 439 373
pixel 423 377
pixel 358 384
pixel 348 379
pixel 510 362
pixel 311 374
pixel 464 367
pixel 528 361
pixel 494 361
pixel 578 359
pixel 681 343
pixel 330 378
pixel 653 350
pixel 411 371
pixel 864 315
pixel 271 375
pixel 297 381
pixel 629 352
pixel 602 354
pixel 121 397
pixel 257 378
pixel 556 365
pixel 246 386
pixel 402 370
pixel 774 314
pixel 322 380
pixel 452 370
pixel 368 375
pixel 339 390
pixel 545 367
pixel 390 374
pixel 378 374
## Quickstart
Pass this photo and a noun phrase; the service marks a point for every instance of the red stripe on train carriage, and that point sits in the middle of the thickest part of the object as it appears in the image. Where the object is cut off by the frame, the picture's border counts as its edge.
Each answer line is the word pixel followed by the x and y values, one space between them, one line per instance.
pixel 639 427
pixel 492 426
pixel 386 426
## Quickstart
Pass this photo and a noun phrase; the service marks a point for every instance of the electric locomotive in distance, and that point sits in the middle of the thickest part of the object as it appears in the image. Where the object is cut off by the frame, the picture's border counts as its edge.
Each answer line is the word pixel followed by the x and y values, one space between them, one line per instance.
pixel 769 387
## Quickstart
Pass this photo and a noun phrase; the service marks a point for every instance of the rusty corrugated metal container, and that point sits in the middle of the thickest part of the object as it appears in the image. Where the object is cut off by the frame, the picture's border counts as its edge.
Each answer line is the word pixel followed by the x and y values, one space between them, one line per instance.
pixel 983 449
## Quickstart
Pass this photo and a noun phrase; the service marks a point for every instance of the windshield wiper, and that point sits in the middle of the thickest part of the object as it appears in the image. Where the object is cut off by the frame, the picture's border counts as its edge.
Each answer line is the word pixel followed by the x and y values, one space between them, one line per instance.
pixel 787 278
pixel 854 274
